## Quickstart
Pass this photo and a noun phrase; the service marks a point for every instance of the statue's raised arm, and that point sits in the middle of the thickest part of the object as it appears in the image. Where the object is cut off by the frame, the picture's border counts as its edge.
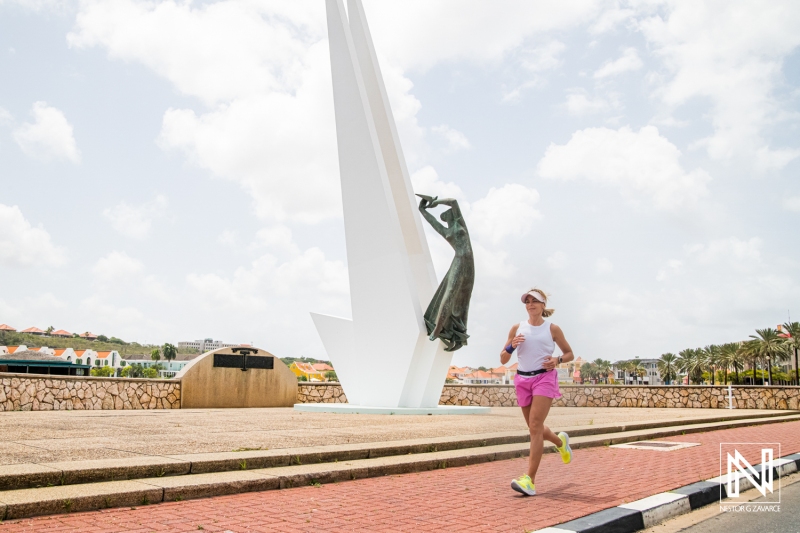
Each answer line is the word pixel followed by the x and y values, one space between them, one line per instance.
pixel 446 316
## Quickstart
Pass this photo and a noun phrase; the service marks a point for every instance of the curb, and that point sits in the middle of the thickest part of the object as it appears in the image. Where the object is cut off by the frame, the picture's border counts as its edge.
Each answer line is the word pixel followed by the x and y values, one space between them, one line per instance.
pixel 647 512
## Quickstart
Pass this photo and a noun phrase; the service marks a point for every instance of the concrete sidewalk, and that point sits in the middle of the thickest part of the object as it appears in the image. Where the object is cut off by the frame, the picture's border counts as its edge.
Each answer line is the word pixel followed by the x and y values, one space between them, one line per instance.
pixel 470 498
pixel 59 436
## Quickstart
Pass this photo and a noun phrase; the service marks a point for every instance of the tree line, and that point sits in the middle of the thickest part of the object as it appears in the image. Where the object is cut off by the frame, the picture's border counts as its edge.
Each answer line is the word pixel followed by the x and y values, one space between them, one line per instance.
pixel 743 362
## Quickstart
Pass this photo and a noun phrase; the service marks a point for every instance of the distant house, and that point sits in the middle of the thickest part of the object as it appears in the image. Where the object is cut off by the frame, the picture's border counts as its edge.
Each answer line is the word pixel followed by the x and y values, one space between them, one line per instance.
pixel 168 369
pixel 67 354
pixel 12 349
pixel 322 367
pixel 6 327
pixel 504 373
pixel 30 362
pixel 306 370
pixel 109 358
pixel 88 336
pixel 85 357
pixel 61 333
pixel 33 331
pixel 479 377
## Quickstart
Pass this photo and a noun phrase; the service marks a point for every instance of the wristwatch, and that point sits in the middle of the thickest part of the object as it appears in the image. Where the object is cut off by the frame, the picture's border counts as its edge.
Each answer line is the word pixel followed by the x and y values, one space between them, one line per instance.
pixel 560 359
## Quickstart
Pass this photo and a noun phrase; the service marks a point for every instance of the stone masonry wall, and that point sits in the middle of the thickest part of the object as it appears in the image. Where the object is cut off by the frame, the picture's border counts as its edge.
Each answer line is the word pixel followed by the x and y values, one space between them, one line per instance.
pixel 25 392
pixel 744 397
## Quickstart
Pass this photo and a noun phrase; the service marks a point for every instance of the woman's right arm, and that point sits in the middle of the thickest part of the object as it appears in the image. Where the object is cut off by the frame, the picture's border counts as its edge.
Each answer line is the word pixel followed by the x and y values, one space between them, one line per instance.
pixel 423 208
pixel 514 340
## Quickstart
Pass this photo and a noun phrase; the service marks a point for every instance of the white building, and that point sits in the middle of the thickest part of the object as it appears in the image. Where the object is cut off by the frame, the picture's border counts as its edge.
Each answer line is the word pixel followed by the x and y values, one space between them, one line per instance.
pixel 168 368
pixel 206 345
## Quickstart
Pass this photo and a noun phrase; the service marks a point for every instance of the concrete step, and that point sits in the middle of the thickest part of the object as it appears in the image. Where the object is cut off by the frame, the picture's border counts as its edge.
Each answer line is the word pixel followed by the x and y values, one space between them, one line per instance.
pixel 33 475
pixel 324 467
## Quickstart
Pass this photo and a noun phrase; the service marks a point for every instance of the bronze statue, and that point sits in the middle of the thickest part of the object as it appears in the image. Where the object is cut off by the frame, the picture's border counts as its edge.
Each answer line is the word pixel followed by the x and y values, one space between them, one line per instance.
pixel 446 316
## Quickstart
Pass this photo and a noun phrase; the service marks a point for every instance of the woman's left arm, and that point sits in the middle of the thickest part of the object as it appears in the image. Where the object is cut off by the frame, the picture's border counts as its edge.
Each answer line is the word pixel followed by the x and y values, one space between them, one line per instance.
pixel 561 342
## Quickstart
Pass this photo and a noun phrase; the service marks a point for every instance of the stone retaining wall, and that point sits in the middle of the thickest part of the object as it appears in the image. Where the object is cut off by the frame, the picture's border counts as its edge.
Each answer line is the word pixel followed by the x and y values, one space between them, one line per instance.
pixel 25 392
pixel 744 397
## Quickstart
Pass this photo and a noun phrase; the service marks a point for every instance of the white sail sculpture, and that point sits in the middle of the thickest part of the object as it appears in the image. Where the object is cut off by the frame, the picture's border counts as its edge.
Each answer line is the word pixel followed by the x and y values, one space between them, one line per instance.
pixel 383 357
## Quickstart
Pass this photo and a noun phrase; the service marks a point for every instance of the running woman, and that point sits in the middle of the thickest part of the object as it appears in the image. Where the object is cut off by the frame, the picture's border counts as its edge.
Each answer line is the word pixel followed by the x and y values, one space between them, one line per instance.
pixel 536 382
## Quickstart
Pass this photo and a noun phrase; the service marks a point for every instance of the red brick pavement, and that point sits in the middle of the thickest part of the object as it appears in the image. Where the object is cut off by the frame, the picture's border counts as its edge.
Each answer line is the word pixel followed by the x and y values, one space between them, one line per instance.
pixel 467 499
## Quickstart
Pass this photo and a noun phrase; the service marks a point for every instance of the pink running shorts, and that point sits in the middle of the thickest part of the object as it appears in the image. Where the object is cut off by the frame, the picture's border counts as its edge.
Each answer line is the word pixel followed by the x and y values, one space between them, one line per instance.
pixel 544 384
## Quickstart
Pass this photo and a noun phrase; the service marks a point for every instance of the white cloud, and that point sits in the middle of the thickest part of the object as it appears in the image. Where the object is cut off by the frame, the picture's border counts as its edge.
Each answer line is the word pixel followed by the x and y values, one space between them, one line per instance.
pixel 505 212
pixel 641 164
pixel 117 267
pixel 674 267
pixel 426 181
pixel 792 203
pixel 264 70
pixel 228 238
pixel 306 281
pixel 578 103
pixel 557 261
pixel 22 245
pixel 604 266
pixel 732 53
pixel 541 58
pixel 733 252
pixel 455 139
pixel 629 61
pixel 217 52
pixel 49 136
pixel 135 221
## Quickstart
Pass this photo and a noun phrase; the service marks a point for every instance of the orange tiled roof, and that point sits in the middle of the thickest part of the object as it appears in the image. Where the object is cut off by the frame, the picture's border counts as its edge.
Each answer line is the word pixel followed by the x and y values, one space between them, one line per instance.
pixel 62 332
pixel 32 330
pixel 103 355
pixel 305 367
pixel 12 349
pixel 88 335
pixel 6 327
pixel 479 374
pixel 79 352
pixel 322 367
pixel 60 351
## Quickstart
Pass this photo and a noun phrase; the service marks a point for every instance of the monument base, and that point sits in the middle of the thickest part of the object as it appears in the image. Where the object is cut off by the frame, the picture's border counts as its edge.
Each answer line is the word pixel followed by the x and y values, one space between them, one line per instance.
pixel 346 408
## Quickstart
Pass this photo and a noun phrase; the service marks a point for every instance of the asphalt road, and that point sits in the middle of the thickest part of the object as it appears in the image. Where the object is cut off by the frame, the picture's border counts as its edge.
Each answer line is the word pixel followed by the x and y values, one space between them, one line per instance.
pixel 785 521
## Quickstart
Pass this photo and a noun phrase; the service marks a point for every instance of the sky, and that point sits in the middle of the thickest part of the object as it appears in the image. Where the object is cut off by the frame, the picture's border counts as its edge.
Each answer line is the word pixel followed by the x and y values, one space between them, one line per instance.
pixel 168 170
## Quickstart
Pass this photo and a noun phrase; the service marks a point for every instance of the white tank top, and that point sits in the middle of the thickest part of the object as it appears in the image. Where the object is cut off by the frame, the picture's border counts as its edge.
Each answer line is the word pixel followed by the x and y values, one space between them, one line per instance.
pixel 538 345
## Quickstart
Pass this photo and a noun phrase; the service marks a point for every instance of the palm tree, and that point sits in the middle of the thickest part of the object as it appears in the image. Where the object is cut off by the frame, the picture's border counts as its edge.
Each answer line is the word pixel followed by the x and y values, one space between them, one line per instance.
pixel 627 368
pixel 155 354
pixel 603 368
pixel 770 346
pixel 638 370
pixel 792 342
pixel 170 352
pixel 588 370
pixel 712 357
pixel 728 359
pixel 667 367
pixel 692 362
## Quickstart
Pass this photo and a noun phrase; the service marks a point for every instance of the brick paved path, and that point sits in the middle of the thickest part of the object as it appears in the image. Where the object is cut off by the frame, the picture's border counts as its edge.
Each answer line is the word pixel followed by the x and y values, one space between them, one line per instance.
pixel 466 499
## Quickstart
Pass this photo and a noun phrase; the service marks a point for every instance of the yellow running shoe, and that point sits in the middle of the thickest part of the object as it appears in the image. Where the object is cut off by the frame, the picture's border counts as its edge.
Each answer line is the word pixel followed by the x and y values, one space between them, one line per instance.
pixel 524 486
pixel 564 449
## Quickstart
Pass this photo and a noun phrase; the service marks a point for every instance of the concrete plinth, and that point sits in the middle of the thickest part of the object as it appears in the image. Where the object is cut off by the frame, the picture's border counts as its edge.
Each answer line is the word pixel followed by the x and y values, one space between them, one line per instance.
pixel 346 408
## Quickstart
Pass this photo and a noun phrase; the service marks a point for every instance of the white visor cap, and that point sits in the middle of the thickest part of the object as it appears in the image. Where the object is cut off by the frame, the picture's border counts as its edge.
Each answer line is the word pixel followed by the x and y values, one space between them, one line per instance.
pixel 536 296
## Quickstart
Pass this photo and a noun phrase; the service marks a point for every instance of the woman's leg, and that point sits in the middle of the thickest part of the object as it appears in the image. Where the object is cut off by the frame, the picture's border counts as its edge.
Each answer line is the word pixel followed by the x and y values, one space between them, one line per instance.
pixel 548 433
pixel 539 408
